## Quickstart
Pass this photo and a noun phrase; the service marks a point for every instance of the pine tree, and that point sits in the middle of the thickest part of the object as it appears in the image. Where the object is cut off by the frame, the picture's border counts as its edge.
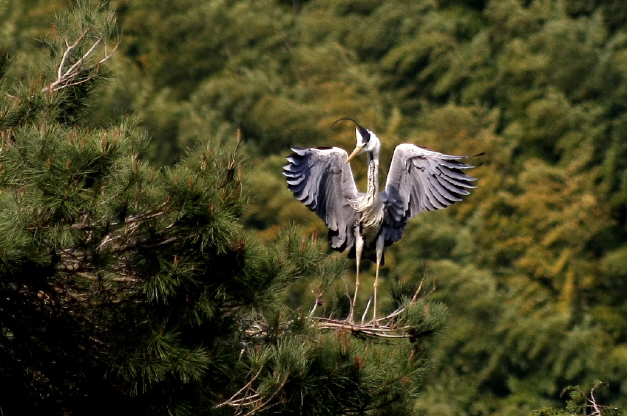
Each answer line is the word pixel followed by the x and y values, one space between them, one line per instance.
pixel 130 288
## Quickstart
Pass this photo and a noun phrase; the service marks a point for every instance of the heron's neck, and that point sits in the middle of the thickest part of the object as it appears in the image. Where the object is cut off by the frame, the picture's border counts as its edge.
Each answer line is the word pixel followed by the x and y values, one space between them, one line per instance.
pixel 373 176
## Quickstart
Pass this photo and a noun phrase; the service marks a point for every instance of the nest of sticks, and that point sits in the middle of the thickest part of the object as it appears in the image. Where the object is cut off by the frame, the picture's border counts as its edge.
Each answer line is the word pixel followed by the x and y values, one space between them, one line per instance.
pixel 389 326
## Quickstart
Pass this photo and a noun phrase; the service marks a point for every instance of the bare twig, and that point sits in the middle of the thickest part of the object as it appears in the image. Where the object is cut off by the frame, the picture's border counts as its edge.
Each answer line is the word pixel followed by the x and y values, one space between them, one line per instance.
pixel 590 401
pixel 347 294
pixel 266 403
pixel 363 317
pixel 316 303
pixel 424 276
pixel 233 399
pixel 67 52
pixel 593 403
pixel 417 292
pixel 69 76
pixel 393 314
pixel 247 397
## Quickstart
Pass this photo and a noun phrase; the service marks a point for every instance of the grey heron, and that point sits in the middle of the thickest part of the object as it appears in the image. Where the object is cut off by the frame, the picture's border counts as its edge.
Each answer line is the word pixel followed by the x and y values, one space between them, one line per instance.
pixel 418 180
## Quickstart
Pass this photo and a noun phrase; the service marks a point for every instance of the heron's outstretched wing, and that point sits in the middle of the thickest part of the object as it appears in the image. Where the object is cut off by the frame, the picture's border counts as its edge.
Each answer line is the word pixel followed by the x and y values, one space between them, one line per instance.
pixel 320 179
pixel 421 180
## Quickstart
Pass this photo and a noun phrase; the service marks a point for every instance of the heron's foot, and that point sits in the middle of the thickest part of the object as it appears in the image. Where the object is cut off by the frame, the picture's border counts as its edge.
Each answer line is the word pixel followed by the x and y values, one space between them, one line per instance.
pixel 375 321
pixel 351 318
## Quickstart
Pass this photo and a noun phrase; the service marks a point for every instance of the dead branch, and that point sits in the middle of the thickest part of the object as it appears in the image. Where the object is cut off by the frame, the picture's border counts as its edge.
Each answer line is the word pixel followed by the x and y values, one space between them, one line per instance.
pixel 236 401
pixel 363 317
pixel 69 75
pixel 248 397
pixel 593 403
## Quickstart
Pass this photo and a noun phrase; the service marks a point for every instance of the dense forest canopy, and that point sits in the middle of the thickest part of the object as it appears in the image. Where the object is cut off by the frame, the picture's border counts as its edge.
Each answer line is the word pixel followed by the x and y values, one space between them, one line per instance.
pixel 532 266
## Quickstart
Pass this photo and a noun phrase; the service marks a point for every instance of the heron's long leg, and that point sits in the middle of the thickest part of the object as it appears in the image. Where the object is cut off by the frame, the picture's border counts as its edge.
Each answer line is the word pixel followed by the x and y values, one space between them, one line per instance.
pixel 380 246
pixel 359 246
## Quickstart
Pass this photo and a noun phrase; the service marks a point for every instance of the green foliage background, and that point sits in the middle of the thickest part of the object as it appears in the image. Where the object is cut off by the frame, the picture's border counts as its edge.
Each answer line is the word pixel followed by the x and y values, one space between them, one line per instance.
pixel 532 266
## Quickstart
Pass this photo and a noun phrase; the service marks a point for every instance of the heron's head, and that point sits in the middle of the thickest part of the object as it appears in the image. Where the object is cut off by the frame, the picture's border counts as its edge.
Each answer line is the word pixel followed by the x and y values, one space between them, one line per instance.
pixel 367 141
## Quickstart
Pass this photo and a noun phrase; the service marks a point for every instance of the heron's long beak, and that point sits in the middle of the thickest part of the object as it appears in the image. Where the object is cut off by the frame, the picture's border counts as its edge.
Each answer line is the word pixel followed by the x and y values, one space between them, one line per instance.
pixel 355 153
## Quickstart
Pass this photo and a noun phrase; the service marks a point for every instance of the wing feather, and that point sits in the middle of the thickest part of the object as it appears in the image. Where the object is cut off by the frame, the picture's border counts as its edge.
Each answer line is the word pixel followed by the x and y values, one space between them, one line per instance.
pixel 442 190
pixel 421 180
pixel 319 178
pixel 455 189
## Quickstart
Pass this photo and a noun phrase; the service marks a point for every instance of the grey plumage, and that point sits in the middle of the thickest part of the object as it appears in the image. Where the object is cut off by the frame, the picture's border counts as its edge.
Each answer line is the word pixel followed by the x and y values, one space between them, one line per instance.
pixel 419 180
pixel 319 178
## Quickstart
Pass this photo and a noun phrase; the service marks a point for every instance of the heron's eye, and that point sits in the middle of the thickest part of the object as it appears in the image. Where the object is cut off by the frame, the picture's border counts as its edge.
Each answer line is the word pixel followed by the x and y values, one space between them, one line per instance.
pixel 365 134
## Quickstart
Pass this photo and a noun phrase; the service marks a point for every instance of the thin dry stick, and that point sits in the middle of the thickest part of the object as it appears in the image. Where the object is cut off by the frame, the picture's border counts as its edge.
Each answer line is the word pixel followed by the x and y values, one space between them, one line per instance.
pixel 315 306
pixel 232 400
pixel 68 77
pixel 593 403
pixel 66 54
pixel 350 299
pixel 363 317
pixel 417 292
pixel 424 275
pixel 265 404
pixel 393 314
pixel 248 400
